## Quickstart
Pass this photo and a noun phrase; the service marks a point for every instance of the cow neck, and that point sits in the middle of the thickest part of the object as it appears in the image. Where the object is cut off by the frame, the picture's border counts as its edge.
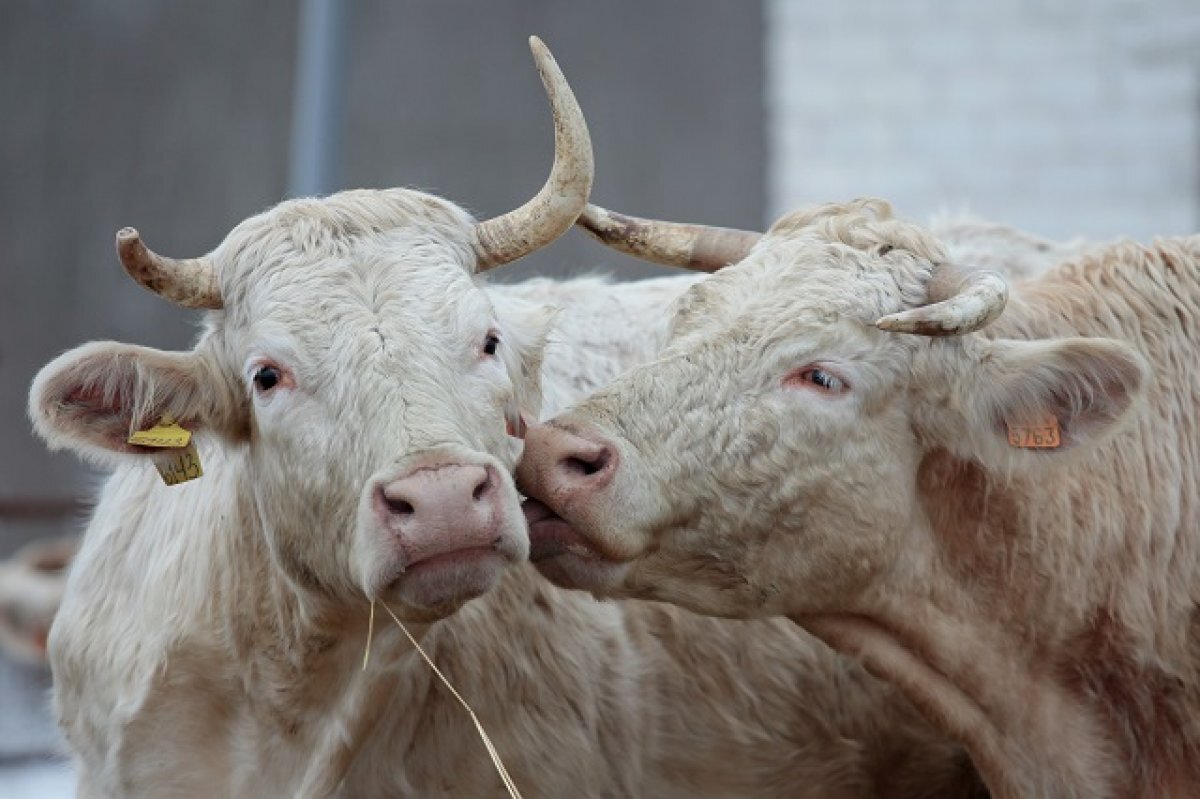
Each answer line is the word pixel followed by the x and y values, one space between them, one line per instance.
pixel 303 655
pixel 973 678
pixel 959 626
pixel 1002 626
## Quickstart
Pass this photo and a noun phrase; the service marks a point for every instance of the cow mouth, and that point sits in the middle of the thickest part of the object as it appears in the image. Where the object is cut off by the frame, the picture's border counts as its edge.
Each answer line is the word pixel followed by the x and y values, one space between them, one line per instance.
pixel 467 556
pixel 443 582
pixel 550 535
pixel 564 555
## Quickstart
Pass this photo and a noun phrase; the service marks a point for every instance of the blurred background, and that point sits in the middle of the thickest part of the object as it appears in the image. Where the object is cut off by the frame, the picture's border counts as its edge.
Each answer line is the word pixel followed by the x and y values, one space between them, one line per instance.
pixel 1064 117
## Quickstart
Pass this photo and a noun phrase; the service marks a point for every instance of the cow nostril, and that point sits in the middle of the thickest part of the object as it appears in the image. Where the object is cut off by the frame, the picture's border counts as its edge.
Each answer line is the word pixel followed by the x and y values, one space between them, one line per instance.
pixel 400 507
pixel 580 466
pixel 482 489
pixel 586 466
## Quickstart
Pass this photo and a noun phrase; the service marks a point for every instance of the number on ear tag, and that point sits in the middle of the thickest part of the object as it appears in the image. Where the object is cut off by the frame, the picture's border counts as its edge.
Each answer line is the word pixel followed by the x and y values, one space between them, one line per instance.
pixel 179 467
pixel 1044 434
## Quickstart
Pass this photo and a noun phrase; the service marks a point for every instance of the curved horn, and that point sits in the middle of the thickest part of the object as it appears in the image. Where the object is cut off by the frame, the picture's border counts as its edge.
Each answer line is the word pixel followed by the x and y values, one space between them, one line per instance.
pixel 959 301
pixel 698 247
pixel 554 209
pixel 190 282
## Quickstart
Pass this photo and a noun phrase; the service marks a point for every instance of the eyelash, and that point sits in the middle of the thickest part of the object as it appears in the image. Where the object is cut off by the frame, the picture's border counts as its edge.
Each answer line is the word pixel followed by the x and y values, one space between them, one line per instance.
pixel 822 380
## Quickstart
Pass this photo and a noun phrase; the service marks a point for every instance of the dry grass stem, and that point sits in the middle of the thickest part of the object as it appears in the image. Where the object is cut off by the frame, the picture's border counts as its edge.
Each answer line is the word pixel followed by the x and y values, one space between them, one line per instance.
pixel 503 772
pixel 370 634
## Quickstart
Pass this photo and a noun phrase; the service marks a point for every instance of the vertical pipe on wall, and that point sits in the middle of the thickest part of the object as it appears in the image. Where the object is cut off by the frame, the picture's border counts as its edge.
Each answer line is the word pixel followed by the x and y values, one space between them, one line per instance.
pixel 318 102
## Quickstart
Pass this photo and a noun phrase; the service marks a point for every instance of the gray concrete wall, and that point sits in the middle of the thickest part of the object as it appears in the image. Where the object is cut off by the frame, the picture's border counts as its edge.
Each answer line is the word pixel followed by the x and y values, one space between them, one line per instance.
pixel 174 116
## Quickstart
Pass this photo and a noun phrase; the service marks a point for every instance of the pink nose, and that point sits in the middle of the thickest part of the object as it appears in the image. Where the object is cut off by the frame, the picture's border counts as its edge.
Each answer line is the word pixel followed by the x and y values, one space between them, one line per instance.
pixel 435 511
pixel 565 465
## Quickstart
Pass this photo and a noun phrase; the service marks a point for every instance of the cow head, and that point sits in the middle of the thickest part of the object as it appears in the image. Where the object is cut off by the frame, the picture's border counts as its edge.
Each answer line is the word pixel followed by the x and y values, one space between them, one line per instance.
pixel 356 374
pixel 767 462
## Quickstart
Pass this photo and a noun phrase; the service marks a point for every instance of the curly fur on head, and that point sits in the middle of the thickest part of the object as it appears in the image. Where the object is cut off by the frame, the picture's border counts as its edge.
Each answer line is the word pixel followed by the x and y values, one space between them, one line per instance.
pixel 865 224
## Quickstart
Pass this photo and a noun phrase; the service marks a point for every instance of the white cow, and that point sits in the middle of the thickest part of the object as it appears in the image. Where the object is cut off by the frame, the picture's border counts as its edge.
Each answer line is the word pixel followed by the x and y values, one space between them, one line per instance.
pixel 354 397
pixel 999 512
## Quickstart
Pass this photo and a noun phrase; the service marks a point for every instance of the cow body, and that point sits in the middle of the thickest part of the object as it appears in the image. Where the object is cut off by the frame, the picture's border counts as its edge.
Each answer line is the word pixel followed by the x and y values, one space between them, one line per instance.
pixel 1011 251
pixel 185 664
pixel 357 398
pixel 1037 604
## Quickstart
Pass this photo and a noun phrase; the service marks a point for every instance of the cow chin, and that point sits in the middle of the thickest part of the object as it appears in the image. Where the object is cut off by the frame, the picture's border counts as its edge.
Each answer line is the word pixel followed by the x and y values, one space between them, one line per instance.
pixel 567 557
pixel 433 589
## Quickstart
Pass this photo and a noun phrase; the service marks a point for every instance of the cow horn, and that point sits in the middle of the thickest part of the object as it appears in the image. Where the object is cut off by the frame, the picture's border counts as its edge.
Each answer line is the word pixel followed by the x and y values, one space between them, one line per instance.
pixel 190 282
pixel 554 209
pixel 958 301
pixel 698 247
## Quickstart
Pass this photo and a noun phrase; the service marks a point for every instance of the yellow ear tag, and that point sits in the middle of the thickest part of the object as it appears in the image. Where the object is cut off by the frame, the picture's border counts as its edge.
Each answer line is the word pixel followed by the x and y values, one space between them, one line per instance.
pixel 174 467
pixel 164 434
pixel 1044 434
pixel 179 466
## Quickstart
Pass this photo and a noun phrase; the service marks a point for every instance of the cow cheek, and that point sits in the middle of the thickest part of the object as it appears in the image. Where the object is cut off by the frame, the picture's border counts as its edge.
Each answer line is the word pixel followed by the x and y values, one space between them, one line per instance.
pixel 843 544
pixel 307 529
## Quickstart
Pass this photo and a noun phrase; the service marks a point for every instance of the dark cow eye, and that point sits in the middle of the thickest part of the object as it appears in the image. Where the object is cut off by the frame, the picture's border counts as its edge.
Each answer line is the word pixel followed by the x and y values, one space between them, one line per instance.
pixel 490 344
pixel 266 378
pixel 816 378
pixel 820 377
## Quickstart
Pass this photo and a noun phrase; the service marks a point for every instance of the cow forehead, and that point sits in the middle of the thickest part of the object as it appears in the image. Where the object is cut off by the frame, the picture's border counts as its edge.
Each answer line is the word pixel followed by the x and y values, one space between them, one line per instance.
pixel 367 258
pixel 790 283
pixel 299 247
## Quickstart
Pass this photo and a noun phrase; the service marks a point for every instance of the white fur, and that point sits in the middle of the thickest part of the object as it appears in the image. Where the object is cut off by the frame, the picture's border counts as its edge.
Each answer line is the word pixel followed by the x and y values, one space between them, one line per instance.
pixel 211 636
pixel 1038 605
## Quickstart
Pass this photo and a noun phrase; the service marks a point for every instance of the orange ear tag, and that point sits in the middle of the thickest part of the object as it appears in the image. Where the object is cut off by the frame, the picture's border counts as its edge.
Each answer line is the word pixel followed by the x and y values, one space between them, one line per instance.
pixel 1043 434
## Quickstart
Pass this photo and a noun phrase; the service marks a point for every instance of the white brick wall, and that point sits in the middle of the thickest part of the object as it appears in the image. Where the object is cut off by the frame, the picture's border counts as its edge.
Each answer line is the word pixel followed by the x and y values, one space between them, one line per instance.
pixel 1065 117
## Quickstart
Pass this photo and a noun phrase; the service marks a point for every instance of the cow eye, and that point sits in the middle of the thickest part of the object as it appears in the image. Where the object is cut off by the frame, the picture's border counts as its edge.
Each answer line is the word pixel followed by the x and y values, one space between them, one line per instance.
pixel 818 379
pixel 490 344
pixel 266 378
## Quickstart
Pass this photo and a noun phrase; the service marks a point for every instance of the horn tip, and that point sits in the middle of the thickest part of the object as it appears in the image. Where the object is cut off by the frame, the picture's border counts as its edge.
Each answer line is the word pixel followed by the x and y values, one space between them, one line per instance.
pixel 127 234
pixel 543 59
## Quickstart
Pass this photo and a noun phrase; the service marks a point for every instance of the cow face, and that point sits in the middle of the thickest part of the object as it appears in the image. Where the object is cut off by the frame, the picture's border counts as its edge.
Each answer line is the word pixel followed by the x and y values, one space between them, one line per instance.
pixel 768 461
pixel 368 383
pixel 362 386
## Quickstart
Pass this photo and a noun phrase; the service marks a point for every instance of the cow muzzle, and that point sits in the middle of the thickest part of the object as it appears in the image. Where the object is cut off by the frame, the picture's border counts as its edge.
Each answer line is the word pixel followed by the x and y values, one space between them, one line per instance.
pixel 441 531
pixel 567 475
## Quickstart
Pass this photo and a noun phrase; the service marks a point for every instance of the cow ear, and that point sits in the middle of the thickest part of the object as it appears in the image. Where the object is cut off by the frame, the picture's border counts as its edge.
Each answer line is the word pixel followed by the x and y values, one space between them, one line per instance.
pixel 92 398
pixel 1044 398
